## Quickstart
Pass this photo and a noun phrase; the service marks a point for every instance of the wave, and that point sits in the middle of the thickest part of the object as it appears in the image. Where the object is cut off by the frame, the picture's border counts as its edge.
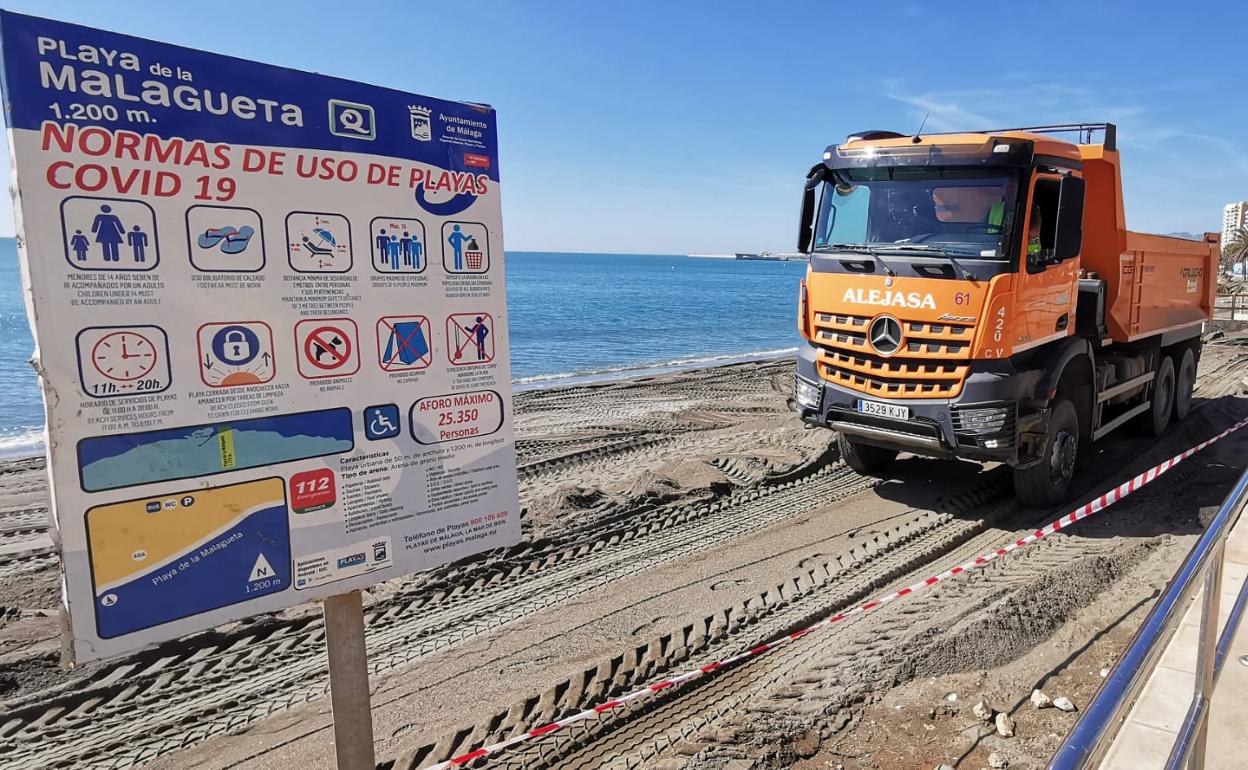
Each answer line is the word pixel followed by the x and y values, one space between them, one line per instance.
pixel 639 369
pixel 28 443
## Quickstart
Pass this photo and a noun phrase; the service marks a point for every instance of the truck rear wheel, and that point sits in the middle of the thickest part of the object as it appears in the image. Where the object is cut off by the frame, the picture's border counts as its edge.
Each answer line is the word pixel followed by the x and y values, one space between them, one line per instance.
pixel 1156 420
pixel 864 458
pixel 1184 383
pixel 1047 482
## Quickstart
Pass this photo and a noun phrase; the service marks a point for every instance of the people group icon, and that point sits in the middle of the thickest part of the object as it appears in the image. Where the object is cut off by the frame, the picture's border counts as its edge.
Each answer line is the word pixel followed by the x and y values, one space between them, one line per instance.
pixel 110 233
pixel 399 252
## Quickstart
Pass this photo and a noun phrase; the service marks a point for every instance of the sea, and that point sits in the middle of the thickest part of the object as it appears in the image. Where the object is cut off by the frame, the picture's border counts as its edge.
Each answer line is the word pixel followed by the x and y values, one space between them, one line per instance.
pixel 574 318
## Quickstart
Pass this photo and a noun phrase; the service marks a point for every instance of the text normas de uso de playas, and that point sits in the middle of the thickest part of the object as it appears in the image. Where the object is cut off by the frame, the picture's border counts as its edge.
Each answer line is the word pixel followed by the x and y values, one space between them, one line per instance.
pixel 191 155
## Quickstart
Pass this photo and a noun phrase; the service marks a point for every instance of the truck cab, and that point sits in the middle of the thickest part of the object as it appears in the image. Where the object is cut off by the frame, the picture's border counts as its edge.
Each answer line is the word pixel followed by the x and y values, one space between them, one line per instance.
pixel 977 296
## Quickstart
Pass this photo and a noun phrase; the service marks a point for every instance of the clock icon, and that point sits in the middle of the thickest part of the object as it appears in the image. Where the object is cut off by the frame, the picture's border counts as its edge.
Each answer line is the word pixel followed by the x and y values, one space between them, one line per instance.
pixel 123 360
pixel 124 356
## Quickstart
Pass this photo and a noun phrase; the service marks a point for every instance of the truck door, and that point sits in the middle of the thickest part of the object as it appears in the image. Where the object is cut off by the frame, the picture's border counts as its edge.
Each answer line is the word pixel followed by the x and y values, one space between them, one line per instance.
pixel 1045 293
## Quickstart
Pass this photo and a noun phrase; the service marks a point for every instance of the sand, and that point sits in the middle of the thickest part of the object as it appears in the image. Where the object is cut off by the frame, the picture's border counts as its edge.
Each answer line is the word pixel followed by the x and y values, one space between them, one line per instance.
pixel 683 516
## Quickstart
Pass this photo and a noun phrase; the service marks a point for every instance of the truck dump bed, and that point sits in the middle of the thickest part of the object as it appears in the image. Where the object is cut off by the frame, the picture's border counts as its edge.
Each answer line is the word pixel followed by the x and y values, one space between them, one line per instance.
pixel 1153 283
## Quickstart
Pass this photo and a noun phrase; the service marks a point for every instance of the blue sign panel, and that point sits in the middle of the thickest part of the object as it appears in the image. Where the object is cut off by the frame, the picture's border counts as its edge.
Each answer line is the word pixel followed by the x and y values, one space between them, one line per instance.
pixel 84 75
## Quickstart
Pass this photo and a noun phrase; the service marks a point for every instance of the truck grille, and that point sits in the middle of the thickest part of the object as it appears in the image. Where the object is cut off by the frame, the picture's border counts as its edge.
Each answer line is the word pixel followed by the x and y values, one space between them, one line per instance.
pixel 932 362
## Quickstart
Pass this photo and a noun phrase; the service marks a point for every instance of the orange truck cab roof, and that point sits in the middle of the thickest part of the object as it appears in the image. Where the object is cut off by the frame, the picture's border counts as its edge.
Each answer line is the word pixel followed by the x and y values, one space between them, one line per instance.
pixel 1043 144
pixel 1153 282
pixel 1009 147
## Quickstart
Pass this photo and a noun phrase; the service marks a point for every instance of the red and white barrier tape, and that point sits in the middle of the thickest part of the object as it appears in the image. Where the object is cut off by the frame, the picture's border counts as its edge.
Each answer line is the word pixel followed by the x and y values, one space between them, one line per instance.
pixel 1082 512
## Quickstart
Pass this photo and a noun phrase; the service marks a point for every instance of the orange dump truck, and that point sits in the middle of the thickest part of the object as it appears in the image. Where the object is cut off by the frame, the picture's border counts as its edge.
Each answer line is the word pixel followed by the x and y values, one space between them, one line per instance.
pixel 979 296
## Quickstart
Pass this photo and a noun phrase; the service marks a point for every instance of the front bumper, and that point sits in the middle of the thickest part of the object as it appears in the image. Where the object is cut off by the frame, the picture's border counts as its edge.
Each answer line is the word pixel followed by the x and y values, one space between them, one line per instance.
pixel 988 421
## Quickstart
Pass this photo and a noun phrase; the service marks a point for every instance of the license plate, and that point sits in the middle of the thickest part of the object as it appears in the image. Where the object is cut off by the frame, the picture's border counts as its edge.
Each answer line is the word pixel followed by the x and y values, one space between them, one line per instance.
pixel 884 410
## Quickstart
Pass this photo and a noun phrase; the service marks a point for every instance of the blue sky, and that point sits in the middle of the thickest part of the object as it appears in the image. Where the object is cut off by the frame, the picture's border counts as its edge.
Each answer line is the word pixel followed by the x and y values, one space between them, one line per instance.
pixel 667 127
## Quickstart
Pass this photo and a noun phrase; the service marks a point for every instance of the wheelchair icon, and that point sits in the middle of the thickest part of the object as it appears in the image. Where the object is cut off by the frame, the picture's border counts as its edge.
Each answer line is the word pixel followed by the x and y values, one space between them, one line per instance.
pixel 381 422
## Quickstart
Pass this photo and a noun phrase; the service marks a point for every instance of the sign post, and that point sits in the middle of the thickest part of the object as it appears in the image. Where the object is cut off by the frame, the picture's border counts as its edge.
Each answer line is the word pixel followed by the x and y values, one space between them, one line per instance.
pixel 348 681
pixel 271 333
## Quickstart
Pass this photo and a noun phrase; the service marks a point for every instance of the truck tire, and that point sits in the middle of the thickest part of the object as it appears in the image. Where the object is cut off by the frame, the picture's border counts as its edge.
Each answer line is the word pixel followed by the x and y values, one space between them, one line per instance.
pixel 1184 383
pixel 1155 421
pixel 864 458
pixel 1047 482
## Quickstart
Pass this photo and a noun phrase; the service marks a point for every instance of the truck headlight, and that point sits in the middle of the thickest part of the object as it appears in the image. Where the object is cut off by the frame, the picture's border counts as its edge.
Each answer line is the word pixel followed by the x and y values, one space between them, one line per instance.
pixel 983 421
pixel 806 393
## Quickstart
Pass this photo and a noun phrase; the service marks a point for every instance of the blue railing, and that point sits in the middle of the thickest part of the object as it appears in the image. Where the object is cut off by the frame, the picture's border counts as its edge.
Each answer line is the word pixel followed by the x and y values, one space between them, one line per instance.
pixel 1090 739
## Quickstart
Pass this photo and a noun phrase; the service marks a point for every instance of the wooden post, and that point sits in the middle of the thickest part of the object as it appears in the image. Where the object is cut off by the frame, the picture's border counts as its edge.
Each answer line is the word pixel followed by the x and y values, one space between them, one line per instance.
pixel 348 681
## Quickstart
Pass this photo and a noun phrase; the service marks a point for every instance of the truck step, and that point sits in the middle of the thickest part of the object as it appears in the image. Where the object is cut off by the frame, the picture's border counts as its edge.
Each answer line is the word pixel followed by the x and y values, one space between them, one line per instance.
pixel 1124 386
pixel 1120 419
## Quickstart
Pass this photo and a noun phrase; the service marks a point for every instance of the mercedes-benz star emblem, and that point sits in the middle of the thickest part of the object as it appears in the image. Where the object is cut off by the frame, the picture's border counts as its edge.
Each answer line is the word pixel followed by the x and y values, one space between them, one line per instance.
pixel 885 335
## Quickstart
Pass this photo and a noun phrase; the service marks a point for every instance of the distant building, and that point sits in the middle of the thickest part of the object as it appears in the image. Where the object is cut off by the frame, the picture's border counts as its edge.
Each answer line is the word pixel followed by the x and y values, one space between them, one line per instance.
pixel 1234 216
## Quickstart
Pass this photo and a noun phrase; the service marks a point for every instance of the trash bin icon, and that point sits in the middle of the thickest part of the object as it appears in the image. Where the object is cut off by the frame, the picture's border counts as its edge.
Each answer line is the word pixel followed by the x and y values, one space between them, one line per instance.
pixel 473 256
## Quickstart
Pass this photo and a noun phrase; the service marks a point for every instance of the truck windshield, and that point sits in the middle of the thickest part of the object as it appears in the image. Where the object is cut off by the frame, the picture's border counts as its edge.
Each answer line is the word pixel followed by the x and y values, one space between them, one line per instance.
pixel 956 211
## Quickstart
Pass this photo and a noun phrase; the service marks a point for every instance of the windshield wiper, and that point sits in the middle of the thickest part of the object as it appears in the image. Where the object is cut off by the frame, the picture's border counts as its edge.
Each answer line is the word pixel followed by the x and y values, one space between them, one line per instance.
pixel 863 248
pixel 930 248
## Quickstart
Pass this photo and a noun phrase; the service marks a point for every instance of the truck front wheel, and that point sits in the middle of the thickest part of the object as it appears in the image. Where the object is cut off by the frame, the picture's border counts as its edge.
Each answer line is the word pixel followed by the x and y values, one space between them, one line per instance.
pixel 864 458
pixel 1047 482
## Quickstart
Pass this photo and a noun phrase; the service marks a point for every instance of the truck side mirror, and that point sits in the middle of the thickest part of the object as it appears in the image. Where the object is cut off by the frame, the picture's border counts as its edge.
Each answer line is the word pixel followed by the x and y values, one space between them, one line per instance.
pixel 805 232
pixel 1068 239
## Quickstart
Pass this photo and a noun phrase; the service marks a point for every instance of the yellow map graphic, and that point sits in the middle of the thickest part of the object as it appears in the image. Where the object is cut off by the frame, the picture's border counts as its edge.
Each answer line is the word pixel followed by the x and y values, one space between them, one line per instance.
pixel 225 439
pixel 126 539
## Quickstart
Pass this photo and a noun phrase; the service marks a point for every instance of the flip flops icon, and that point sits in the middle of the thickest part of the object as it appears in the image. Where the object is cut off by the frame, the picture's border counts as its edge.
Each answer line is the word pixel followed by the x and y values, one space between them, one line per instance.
pixel 232 240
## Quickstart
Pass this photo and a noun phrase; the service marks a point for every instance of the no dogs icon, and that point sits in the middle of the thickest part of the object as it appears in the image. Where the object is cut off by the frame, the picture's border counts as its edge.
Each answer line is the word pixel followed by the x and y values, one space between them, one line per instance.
pixel 327 347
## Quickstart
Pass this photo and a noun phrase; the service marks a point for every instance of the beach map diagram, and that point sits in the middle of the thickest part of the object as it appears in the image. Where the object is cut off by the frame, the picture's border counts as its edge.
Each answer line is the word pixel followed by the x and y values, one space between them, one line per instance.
pixel 186 553
pixel 112 462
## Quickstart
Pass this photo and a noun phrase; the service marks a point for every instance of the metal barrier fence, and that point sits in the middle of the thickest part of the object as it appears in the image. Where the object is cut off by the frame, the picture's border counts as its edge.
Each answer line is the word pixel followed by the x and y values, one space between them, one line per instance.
pixel 1087 743
pixel 1230 307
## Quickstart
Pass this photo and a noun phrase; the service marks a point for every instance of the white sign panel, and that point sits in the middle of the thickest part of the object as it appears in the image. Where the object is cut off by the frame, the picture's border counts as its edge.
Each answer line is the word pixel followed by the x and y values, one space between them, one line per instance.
pixel 271 329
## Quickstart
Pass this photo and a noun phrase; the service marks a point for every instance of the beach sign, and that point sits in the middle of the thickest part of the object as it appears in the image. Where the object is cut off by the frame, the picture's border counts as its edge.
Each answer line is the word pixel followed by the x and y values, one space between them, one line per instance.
pixel 271 330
